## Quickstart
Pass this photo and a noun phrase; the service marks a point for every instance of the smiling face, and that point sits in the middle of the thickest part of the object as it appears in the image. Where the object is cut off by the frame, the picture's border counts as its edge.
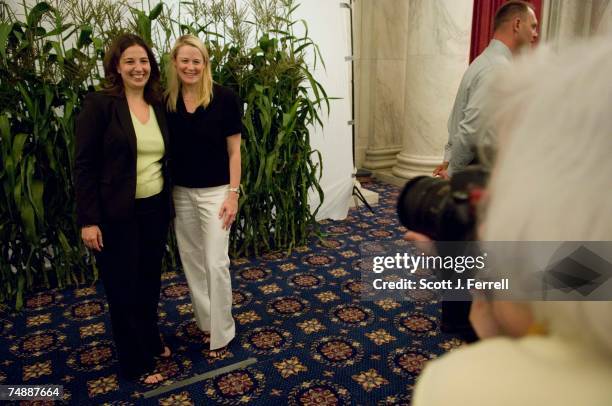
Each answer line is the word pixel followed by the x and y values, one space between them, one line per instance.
pixel 189 63
pixel 134 67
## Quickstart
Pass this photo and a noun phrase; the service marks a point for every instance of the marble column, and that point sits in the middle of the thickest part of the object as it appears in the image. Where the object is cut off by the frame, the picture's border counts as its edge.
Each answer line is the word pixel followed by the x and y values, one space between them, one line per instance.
pixel 381 29
pixel 436 53
pixel 564 21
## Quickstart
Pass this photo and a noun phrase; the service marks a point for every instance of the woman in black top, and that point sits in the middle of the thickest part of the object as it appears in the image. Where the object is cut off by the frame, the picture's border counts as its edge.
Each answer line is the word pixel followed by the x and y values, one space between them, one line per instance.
pixel 205 125
pixel 123 201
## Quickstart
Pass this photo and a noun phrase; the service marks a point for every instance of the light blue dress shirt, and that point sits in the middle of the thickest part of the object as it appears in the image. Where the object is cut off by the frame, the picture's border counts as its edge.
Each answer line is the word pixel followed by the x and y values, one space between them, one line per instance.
pixel 465 124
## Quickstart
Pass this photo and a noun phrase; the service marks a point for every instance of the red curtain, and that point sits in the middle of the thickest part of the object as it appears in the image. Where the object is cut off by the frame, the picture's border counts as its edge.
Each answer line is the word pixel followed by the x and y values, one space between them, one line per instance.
pixel 482 23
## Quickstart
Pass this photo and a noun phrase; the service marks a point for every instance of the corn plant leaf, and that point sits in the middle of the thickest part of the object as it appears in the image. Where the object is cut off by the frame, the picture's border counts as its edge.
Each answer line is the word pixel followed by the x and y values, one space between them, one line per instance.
pixel 187 29
pixel 20 290
pixel 302 47
pixel 271 164
pixel 26 99
pixel 26 212
pixel 9 170
pixel 17 192
pixel 5 30
pixel 84 36
pixel 64 242
pixel 59 30
pixel 36 14
pixel 18 145
pixel 98 43
pixel 5 133
pixel 156 11
pixel 37 190
pixel 51 157
pixel 48 97
pixel 143 25
pixel 68 109
pixel 58 51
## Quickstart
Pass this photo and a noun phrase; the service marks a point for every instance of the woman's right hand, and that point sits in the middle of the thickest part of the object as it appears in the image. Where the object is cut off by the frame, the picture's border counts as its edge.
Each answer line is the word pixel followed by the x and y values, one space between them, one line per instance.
pixel 92 237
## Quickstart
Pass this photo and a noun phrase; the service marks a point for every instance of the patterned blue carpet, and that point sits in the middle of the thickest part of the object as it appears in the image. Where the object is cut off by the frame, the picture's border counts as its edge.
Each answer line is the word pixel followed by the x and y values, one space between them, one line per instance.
pixel 301 316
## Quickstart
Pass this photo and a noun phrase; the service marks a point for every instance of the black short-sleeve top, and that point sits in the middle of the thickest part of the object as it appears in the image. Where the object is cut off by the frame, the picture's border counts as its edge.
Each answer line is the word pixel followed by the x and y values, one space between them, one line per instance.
pixel 198 145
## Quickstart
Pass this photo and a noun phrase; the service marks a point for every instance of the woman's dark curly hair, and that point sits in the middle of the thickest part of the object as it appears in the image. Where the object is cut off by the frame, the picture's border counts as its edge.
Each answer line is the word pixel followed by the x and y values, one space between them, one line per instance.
pixel 113 83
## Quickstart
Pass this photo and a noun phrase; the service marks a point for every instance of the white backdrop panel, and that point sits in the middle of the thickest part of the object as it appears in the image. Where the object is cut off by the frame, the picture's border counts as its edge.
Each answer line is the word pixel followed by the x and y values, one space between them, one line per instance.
pixel 329 28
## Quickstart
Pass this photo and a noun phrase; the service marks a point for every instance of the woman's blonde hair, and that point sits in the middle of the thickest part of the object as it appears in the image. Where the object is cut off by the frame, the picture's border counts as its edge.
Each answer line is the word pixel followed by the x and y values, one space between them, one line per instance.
pixel 205 92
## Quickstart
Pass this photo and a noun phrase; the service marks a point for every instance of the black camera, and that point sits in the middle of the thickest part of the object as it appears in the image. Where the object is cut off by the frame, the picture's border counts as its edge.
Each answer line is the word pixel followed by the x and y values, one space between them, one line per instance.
pixel 441 209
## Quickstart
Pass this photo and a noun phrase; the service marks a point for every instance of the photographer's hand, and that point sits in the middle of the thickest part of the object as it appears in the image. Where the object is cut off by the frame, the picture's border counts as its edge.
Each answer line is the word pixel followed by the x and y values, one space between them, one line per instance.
pixel 501 318
pixel 417 237
pixel 482 318
pixel 422 242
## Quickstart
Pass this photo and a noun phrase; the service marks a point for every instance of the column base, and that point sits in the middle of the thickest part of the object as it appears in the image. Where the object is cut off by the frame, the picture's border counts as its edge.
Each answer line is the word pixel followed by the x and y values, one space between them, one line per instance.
pixel 381 158
pixel 409 166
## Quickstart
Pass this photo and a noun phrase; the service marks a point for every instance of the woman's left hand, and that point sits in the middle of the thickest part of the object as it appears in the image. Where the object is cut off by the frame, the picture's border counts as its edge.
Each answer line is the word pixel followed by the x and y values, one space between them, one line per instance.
pixel 228 211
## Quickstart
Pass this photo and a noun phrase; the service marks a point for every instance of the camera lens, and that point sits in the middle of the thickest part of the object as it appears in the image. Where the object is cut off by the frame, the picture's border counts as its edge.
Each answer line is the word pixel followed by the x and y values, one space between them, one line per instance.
pixel 421 204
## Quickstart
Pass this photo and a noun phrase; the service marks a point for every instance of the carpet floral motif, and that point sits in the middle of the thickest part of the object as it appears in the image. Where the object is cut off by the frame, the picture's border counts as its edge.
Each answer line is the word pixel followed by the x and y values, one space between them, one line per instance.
pixel 288 306
pixel 370 380
pixel 318 336
pixel 240 298
pixel 408 362
pixel 86 310
pixel 417 324
pixel 254 274
pixel 267 340
pixel 37 343
pixel 94 356
pixel 319 393
pixel 290 366
pixel 176 291
pixel 352 315
pixel 37 370
pixel 236 387
pixel 337 351
pixel 306 281
pixel 102 385
pixel 42 301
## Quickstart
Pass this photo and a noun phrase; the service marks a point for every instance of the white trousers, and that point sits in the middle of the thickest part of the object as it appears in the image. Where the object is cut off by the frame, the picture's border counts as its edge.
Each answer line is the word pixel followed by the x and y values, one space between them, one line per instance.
pixel 203 246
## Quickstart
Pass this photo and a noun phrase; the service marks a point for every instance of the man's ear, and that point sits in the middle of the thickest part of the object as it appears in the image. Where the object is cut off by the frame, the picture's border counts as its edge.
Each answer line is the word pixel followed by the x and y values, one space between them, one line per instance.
pixel 516 24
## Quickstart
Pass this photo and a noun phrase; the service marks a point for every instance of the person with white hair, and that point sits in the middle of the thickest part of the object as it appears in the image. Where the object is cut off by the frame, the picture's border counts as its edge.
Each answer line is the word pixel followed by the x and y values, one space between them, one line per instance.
pixel 550 182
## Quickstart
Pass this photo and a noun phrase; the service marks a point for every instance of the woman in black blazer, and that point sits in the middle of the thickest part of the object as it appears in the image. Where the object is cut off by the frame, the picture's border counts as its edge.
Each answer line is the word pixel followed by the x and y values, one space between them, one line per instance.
pixel 123 200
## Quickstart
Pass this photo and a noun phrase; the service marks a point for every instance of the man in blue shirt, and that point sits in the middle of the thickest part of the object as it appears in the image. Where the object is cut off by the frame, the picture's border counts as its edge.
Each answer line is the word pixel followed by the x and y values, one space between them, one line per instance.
pixel 515 27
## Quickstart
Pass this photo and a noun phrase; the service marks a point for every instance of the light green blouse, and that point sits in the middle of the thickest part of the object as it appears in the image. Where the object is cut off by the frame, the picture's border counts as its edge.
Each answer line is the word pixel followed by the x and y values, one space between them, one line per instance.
pixel 150 151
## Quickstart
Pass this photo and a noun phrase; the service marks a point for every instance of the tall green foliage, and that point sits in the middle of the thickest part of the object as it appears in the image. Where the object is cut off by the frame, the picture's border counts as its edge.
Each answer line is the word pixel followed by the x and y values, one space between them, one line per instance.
pixel 279 165
pixel 51 56
pixel 39 93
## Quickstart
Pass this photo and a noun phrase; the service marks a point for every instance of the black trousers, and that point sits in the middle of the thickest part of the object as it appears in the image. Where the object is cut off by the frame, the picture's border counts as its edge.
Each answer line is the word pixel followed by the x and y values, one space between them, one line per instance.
pixel 130 266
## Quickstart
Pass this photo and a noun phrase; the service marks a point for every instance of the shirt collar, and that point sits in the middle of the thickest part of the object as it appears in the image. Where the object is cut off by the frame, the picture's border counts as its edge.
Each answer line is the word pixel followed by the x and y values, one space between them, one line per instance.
pixel 500 48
